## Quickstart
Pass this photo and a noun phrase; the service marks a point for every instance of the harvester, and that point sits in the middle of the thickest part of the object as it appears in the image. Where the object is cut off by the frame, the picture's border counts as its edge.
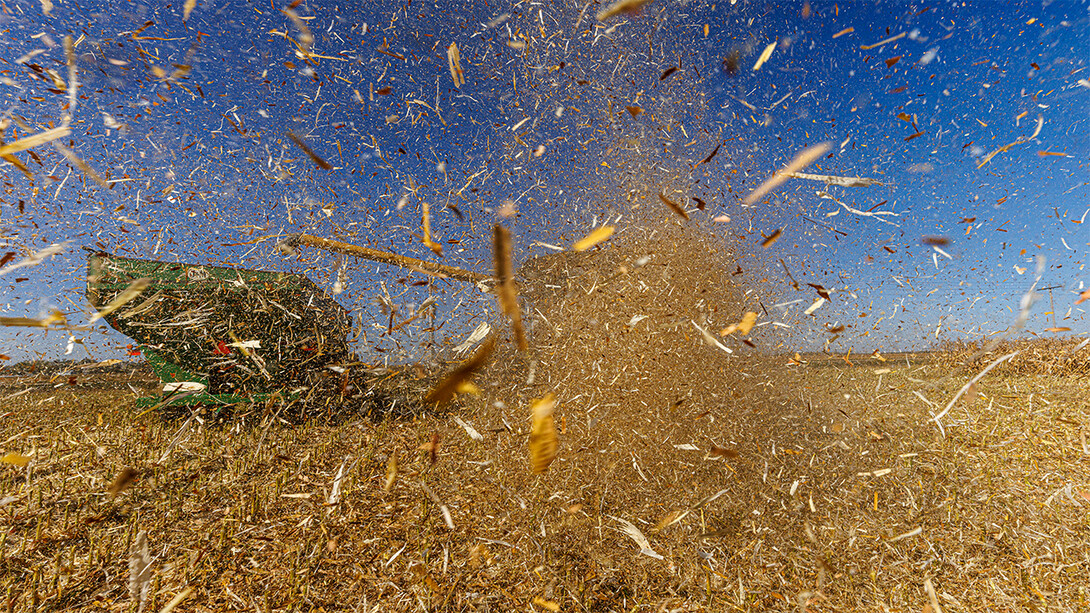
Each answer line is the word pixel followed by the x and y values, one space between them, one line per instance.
pixel 225 335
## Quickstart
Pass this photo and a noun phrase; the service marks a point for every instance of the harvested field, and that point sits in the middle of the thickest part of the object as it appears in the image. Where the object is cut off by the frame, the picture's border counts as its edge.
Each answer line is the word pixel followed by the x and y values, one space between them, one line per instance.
pixel 838 503
pixel 613 306
pixel 688 479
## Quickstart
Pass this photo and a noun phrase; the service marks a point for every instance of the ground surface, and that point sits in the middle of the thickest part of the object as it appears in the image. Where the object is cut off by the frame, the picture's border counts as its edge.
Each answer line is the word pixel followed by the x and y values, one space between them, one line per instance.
pixel 760 482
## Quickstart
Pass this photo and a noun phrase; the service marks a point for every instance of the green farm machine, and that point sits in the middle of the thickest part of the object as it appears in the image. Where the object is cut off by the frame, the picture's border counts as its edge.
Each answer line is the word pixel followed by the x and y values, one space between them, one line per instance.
pixel 223 335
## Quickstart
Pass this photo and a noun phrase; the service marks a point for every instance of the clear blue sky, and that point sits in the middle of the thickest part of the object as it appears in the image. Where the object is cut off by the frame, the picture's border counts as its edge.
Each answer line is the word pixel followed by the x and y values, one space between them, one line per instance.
pixel 192 118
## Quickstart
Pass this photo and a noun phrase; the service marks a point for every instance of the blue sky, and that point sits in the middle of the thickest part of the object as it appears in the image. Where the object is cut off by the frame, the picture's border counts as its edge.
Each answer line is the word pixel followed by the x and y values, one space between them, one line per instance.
pixel 192 117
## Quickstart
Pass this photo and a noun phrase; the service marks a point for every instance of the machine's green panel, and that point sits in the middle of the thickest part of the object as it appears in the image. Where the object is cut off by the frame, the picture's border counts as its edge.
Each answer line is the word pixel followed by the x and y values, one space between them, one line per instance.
pixel 190 321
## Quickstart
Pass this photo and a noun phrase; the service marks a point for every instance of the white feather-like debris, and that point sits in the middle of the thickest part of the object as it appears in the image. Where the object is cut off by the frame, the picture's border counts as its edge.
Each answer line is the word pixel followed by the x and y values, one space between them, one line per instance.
pixel 182 432
pixel 813 307
pixel 335 493
pixel 634 533
pixel 966 387
pixel 470 430
pixel 709 339
pixel 832 180
pixel 36 258
pixel 140 570
pixel 478 334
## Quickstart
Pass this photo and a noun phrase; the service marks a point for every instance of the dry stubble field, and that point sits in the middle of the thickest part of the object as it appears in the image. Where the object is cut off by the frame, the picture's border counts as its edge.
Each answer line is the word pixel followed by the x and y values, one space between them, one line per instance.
pixel 758 484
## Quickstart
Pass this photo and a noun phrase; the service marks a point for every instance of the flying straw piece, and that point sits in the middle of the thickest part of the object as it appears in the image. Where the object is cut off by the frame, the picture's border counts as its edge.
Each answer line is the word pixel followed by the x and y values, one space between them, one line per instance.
pixel 772 238
pixel 506 293
pixel 597 235
pixel 470 430
pixel 445 390
pixel 35 139
pixel 314 157
pixel 745 326
pixel 56 317
pixel 813 307
pixel 391 472
pixel 841 181
pixel 122 481
pixel 634 533
pixel 875 214
pixel 767 53
pixel 73 80
pixel 428 242
pixel 144 306
pixel 420 311
pixel 15 459
pixel 334 497
pixel 911 533
pixel 543 439
pixel 131 292
pixel 709 339
pixel 454 60
pixel 966 387
pixel 177 600
pixel 1019 141
pixel 802 160
pixel 675 207
pixel 183 432
pixel 894 38
pixel 306 39
pixel 140 570
pixel 621 6
pixel 84 166
pixel 14 161
pixel 474 337
pixel 439 503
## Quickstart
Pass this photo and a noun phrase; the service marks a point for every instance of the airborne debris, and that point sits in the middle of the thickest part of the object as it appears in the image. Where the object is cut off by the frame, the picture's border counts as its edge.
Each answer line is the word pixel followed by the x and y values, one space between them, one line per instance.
pixel 801 160
pixel 15 459
pixel 54 317
pixel 296 457
pixel 744 326
pixel 765 55
pixel 122 481
pixel 598 235
pixel 506 293
pixel 675 207
pixel 474 337
pixel 842 181
pixel 543 439
pixel 140 571
pixel 634 533
pixel 34 140
pixel 772 238
pixel 130 293
pixel 454 60
pixel 324 165
pixel 453 382
pixel 621 6
pixel 894 38
pixel 1019 141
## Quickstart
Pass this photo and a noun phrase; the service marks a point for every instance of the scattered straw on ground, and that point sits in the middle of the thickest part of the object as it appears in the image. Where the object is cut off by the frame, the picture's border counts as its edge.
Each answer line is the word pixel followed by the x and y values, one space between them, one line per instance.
pixel 756 484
